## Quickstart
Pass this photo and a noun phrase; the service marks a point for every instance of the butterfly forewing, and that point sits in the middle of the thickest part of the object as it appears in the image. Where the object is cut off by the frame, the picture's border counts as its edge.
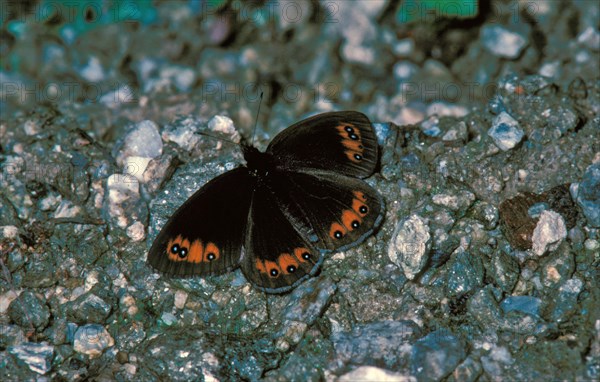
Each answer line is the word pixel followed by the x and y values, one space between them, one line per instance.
pixel 343 142
pixel 206 233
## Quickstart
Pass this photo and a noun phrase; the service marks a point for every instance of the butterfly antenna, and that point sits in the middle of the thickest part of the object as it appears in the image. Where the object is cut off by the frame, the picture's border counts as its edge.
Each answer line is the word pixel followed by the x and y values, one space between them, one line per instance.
pixel 257 114
pixel 215 137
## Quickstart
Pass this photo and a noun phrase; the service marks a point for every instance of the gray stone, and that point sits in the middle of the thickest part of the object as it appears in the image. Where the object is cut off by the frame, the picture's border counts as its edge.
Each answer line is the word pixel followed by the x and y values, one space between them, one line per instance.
pixel 549 232
pixel 57 331
pixel 436 355
pixel 588 194
pixel 11 335
pixel 502 42
pixel 562 118
pixel 525 304
pixel 88 308
pixel 370 373
pixel 384 342
pixel 468 371
pixel 458 201
pixel 505 131
pixel 38 356
pixel 566 302
pixel 92 340
pixel 558 267
pixel 505 270
pixel 431 126
pixel 410 245
pixel 142 141
pixel 183 132
pixel 495 362
pixel 465 273
pixel 309 300
pixel 29 309
pixel 40 273
pixel 484 308
pixel 590 38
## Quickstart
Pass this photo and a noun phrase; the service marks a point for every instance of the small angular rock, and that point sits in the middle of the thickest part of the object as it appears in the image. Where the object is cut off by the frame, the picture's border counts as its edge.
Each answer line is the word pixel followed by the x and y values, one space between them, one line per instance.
pixel 505 132
pixel 548 233
pixel 38 356
pixel 436 355
pixel 502 42
pixel 92 340
pixel 410 246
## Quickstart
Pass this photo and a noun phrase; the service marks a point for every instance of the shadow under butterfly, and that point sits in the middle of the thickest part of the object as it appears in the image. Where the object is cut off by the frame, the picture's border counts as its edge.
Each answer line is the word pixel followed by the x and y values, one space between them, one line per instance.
pixel 281 213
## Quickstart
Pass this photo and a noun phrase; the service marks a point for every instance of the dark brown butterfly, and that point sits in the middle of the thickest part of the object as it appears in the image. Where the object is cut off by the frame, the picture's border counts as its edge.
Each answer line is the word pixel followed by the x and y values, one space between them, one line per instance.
pixel 277 216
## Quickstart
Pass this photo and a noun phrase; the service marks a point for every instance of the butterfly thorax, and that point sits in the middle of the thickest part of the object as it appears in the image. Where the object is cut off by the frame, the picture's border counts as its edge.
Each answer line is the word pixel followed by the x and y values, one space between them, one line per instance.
pixel 259 163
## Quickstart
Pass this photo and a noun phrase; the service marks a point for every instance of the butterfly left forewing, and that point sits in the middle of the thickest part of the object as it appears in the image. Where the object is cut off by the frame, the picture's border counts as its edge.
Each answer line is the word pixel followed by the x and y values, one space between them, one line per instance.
pixel 205 235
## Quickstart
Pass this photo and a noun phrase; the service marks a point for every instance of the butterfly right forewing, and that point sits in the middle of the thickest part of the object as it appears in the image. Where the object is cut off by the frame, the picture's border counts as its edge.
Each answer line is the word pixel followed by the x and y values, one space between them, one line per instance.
pixel 343 142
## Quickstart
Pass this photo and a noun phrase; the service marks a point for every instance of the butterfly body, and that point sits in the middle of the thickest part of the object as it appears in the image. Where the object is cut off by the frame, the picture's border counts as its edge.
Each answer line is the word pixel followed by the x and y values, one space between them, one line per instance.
pixel 258 163
pixel 277 216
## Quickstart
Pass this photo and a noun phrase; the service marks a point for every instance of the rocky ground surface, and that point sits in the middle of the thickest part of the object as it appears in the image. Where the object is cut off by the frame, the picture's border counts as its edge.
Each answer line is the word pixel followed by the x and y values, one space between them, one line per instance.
pixel 486 266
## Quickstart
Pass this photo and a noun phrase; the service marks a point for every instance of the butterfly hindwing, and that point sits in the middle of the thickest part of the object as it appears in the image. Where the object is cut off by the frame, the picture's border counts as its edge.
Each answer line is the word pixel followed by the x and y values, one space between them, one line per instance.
pixel 343 142
pixel 276 257
pixel 334 211
pixel 206 233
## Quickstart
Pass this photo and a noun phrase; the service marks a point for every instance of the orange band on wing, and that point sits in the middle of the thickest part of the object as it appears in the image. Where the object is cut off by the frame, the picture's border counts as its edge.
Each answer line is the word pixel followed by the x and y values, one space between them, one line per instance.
pixel 299 253
pixel 348 217
pixel 360 196
pixel 173 256
pixel 356 206
pixel 337 227
pixel 211 248
pixel 196 252
pixel 285 260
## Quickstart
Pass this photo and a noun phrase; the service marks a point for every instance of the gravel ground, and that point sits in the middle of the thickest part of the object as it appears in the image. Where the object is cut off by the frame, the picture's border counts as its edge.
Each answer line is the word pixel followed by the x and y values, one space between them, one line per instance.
pixel 486 266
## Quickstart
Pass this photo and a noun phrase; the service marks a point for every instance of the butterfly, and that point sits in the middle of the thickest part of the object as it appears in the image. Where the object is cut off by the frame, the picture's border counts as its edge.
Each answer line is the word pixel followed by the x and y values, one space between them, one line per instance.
pixel 280 214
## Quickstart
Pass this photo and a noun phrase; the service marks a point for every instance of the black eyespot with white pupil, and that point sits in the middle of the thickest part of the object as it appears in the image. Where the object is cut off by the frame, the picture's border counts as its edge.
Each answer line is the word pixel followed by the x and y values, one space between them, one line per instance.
pixel 306 256
pixel 363 209
pixel 183 253
pixel 291 269
pixel 211 256
pixel 357 156
pixel 355 224
pixel 348 129
pixel 175 249
pixel 353 136
pixel 338 234
pixel 274 272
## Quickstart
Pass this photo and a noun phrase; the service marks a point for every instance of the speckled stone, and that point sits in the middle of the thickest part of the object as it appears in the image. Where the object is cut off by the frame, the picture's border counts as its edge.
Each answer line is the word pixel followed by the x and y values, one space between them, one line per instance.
pixel 588 194
pixel 92 340
pixel 410 246
pixel 502 42
pixel 505 131
pixel 88 308
pixel 38 356
pixel 378 342
pixel 29 309
pixel 371 373
pixel 548 233
pixel 436 355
